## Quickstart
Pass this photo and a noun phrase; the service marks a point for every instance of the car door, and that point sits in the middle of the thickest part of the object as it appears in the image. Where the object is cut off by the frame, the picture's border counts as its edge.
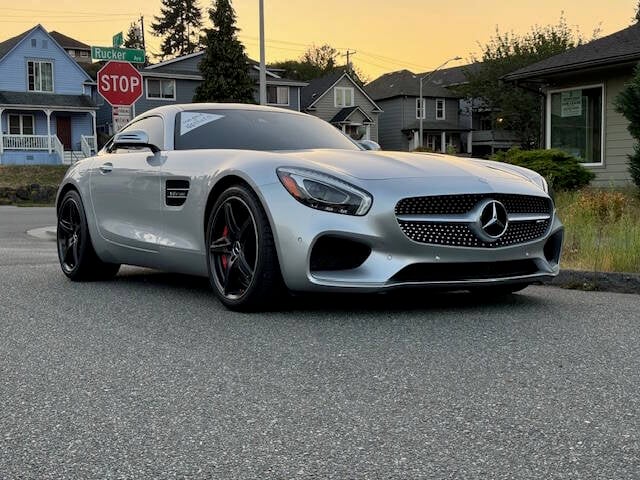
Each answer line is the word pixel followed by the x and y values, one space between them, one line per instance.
pixel 126 195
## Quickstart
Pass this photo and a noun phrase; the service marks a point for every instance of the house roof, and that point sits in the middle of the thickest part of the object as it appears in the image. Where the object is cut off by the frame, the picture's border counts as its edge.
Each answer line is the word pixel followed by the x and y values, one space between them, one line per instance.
pixel 7 45
pixel 46 100
pixel 68 42
pixel 405 83
pixel 344 114
pixel 618 48
pixel 449 77
pixel 318 87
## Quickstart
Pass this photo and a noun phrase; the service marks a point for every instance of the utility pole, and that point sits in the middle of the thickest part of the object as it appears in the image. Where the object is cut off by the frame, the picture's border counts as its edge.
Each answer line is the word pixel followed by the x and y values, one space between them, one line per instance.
pixel 263 65
pixel 348 55
pixel 144 46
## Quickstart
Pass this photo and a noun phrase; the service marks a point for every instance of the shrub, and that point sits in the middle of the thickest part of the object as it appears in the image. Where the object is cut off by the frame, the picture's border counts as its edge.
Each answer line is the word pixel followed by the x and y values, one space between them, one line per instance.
pixel 561 170
pixel 628 104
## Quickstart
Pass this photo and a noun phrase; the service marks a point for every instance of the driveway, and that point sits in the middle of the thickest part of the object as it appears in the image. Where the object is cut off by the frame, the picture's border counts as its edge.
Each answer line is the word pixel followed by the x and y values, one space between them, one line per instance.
pixel 148 376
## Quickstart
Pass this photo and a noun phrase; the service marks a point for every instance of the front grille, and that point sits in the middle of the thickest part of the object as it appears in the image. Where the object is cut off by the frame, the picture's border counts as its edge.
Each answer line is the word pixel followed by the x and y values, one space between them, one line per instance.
pixel 458 233
pixel 461 204
pixel 457 272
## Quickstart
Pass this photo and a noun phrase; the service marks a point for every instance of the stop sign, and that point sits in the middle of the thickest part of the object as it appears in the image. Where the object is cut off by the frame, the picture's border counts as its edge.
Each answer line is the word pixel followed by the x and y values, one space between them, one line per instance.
pixel 119 83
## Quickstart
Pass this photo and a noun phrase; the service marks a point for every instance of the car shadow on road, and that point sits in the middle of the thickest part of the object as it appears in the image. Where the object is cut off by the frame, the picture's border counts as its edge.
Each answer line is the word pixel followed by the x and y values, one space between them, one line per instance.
pixel 413 299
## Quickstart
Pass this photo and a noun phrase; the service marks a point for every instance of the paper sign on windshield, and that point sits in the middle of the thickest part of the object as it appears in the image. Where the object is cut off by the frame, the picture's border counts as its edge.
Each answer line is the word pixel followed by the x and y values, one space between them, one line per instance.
pixel 191 120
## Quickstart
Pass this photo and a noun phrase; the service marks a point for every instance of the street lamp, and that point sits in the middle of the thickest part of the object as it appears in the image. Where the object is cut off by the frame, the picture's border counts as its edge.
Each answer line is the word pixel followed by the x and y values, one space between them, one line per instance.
pixel 422 105
pixel 263 66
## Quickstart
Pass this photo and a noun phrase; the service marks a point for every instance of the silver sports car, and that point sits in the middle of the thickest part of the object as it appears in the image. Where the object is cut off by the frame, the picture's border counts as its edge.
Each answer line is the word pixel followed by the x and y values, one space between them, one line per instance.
pixel 263 200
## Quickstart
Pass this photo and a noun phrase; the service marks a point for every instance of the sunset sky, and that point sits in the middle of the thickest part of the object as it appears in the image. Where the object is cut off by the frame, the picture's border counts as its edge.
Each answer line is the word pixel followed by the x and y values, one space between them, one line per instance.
pixel 387 35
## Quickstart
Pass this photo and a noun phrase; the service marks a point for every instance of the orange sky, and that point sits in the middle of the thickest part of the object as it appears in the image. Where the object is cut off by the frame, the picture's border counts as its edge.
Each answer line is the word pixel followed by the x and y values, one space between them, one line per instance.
pixel 387 34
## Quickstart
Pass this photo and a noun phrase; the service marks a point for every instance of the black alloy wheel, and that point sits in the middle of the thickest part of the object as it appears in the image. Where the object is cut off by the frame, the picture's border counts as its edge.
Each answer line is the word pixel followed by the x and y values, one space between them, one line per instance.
pixel 241 254
pixel 78 259
pixel 234 250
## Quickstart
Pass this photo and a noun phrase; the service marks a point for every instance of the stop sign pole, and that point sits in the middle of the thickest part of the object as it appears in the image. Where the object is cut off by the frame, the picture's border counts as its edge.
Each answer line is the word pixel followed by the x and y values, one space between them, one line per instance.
pixel 120 83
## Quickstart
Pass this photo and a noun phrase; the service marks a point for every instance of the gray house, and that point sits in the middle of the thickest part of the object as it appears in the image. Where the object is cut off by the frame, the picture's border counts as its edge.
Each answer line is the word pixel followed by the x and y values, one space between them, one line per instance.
pixel 176 80
pixel 398 93
pixel 338 99
pixel 449 120
pixel 579 88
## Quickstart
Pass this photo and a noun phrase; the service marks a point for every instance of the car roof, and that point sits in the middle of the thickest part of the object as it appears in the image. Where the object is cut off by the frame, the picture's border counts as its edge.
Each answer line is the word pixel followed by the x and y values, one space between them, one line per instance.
pixel 185 107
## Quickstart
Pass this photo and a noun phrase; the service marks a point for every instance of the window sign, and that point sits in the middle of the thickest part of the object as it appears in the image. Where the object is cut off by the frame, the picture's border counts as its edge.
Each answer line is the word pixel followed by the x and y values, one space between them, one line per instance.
pixel 571 104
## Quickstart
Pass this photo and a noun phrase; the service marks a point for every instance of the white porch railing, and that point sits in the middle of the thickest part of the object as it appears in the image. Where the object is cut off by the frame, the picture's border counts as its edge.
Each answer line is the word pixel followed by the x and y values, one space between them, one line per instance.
pixel 57 147
pixel 87 145
pixel 25 142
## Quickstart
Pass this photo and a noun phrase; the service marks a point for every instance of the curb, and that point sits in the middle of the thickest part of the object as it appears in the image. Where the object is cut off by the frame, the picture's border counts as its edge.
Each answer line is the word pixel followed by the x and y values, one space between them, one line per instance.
pixel 598 281
pixel 44 233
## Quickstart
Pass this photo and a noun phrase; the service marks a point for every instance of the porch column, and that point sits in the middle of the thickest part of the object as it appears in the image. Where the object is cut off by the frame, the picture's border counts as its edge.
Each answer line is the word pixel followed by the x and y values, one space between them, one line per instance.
pixel 367 134
pixel 470 142
pixel 1 139
pixel 48 113
pixel 95 133
pixel 344 128
pixel 443 142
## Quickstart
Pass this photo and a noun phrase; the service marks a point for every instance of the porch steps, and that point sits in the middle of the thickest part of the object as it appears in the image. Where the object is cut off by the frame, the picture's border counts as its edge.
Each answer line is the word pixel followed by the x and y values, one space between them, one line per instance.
pixel 72 156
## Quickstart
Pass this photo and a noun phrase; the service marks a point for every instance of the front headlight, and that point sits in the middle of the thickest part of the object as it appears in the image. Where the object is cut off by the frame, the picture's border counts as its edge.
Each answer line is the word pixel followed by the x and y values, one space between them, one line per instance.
pixel 324 192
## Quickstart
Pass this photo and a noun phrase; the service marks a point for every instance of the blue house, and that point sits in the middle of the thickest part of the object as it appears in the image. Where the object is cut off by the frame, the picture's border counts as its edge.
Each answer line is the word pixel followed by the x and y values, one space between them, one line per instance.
pixel 175 81
pixel 47 102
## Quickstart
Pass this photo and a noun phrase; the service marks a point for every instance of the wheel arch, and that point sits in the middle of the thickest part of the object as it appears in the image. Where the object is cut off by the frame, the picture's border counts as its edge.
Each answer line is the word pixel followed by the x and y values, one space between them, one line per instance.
pixel 67 187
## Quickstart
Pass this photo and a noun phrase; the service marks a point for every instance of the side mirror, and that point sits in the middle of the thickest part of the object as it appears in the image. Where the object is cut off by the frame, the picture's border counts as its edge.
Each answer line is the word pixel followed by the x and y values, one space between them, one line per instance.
pixel 369 145
pixel 133 138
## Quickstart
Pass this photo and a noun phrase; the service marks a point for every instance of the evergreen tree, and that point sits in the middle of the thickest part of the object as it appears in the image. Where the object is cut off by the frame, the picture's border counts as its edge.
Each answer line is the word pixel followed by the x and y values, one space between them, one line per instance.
pixel 628 104
pixel 179 24
pixel 636 17
pixel 224 66
pixel 134 37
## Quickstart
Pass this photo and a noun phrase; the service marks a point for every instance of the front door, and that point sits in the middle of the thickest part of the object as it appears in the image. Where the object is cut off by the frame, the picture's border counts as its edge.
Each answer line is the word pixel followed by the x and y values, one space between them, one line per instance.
pixel 63 129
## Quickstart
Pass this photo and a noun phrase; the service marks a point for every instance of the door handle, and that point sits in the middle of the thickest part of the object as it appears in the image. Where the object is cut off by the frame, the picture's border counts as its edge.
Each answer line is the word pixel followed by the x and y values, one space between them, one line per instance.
pixel 106 167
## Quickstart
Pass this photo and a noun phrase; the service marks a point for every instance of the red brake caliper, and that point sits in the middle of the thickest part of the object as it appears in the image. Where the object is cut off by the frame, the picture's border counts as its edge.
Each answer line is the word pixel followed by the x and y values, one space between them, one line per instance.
pixel 225 258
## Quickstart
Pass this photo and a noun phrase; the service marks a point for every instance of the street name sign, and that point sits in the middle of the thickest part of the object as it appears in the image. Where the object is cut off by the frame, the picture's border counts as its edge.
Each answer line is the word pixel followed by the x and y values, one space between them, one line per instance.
pixel 117 40
pixel 120 83
pixel 132 55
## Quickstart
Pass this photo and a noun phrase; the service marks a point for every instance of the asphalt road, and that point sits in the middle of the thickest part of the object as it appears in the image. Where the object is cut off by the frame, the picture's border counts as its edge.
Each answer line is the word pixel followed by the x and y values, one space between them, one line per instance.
pixel 148 376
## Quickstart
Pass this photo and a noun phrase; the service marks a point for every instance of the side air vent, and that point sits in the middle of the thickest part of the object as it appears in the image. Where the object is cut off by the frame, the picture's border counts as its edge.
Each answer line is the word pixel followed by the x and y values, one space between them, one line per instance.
pixel 176 192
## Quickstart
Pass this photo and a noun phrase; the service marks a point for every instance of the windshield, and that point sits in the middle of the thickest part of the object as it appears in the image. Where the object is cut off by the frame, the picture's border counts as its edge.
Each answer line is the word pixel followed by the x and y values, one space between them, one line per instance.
pixel 255 130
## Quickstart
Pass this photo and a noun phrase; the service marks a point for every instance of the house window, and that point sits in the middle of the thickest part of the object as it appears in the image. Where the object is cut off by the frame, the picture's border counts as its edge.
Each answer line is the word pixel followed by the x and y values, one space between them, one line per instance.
pixel 343 97
pixel 34 42
pixel 21 124
pixel 161 89
pixel 574 122
pixel 440 115
pixel 72 53
pixel 277 95
pixel 40 76
pixel 84 53
pixel 420 111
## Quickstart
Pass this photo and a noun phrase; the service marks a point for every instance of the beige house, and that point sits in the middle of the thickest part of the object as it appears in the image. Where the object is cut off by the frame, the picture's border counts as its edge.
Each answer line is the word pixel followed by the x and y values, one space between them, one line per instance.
pixel 579 89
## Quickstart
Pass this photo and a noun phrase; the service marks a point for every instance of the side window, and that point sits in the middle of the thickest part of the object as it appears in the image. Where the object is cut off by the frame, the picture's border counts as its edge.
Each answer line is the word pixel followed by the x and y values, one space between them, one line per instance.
pixel 154 128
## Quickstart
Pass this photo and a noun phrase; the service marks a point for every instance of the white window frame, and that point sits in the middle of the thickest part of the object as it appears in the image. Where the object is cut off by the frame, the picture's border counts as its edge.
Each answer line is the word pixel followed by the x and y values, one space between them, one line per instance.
pixel 444 109
pixel 161 99
pixel 21 123
pixel 280 88
pixel 39 63
pixel 343 90
pixel 547 128
pixel 424 110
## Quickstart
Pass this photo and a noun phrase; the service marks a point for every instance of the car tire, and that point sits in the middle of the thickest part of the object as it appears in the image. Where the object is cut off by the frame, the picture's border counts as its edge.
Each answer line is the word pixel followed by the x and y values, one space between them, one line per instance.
pixel 78 259
pixel 241 254
pixel 498 290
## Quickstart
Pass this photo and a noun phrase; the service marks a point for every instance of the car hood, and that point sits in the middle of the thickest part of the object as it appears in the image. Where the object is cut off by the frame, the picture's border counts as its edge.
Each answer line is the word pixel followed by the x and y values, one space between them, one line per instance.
pixel 368 165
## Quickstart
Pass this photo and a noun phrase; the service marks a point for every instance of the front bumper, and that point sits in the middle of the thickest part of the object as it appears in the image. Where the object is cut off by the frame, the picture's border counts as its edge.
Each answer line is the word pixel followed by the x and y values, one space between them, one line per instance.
pixel 296 229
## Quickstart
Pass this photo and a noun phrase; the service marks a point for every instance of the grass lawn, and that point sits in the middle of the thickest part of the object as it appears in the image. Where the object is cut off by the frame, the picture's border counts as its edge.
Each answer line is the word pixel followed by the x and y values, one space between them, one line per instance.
pixel 602 230
pixel 14 176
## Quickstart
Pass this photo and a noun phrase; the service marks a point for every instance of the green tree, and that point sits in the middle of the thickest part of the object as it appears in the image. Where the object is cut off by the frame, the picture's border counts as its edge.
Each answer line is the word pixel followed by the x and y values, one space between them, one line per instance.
pixel 224 66
pixel 516 107
pixel 179 26
pixel 134 37
pixel 628 104
pixel 314 63
pixel 636 17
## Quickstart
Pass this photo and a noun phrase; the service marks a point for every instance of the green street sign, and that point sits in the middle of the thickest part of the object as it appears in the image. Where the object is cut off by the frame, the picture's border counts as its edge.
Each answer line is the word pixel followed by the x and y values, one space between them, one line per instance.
pixel 119 54
pixel 118 40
